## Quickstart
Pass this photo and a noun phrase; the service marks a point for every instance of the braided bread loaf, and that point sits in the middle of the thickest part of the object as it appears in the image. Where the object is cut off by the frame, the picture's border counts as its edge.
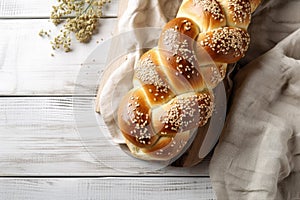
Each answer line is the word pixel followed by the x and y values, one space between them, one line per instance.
pixel 173 82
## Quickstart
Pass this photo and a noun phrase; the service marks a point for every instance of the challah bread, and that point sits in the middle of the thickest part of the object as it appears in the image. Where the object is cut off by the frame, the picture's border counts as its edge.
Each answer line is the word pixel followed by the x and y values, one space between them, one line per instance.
pixel 173 82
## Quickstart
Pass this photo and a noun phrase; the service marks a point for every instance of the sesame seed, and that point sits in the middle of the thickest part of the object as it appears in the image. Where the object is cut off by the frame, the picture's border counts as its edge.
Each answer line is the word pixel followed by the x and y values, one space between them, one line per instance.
pixel 173 43
pixel 211 6
pixel 186 111
pixel 146 72
pixel 226 38
pixel 240 9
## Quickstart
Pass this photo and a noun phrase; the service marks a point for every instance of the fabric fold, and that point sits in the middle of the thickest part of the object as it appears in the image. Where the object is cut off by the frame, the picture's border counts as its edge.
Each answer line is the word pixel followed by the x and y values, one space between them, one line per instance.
pixel 254 158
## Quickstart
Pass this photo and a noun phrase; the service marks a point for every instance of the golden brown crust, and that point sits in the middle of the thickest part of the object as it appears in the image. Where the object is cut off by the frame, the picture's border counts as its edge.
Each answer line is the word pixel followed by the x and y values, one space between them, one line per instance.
pixel 134 119
pixel 154 131
pixel 225 45
pixel 207 13
pixel 213 73
pixel 183 25
pixel 238 12
pixel 184 112
pixel 174 148
pixel 146 70
pixel 254 5
pixel 156 95
pixel 173 82
pixel 155 85
pixel 178 59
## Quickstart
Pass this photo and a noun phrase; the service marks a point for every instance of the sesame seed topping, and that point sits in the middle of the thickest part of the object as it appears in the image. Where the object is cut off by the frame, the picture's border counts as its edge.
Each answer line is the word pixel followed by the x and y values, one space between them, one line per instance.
pixel 139 120
pixel 211 6
pixel 222 40
pixel 188 110
pixel 240 9
pixel 215 77
pixel 173 43
pixel 191 109
pixel 146 72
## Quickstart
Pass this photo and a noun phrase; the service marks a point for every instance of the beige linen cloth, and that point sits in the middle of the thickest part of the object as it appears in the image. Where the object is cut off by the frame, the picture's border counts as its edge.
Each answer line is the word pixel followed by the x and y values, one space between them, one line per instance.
pixel 258 155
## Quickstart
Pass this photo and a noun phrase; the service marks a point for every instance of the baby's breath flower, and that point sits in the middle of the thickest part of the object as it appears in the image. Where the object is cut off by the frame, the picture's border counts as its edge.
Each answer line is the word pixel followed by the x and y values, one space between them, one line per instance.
pixel 62 41
pixel 80 17
pixel 43 33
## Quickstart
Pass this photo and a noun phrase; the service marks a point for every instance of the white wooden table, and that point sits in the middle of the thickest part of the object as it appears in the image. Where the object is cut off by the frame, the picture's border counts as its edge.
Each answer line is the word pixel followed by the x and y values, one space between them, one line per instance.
pixel 41 153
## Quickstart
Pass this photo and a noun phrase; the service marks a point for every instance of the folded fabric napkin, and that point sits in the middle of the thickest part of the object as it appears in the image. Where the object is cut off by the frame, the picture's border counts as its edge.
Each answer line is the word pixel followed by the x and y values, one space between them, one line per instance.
pixel 258 156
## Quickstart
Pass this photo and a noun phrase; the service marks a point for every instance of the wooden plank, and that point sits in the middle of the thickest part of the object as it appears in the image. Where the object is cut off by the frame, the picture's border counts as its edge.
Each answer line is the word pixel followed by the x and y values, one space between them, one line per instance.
pixel 52 136
pixel 41 9
pixel 26 64
pixel 106 188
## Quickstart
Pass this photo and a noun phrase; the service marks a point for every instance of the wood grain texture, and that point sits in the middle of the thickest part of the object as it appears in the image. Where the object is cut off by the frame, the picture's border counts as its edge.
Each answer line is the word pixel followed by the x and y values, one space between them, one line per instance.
pixel 41 9
pixel 26 64
pixel 39 123
pixel 43 136
pixel 106 188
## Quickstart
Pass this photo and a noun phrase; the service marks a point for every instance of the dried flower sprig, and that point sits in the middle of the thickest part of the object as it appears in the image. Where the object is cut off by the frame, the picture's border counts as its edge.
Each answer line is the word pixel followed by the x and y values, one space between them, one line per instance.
pixel 80 17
